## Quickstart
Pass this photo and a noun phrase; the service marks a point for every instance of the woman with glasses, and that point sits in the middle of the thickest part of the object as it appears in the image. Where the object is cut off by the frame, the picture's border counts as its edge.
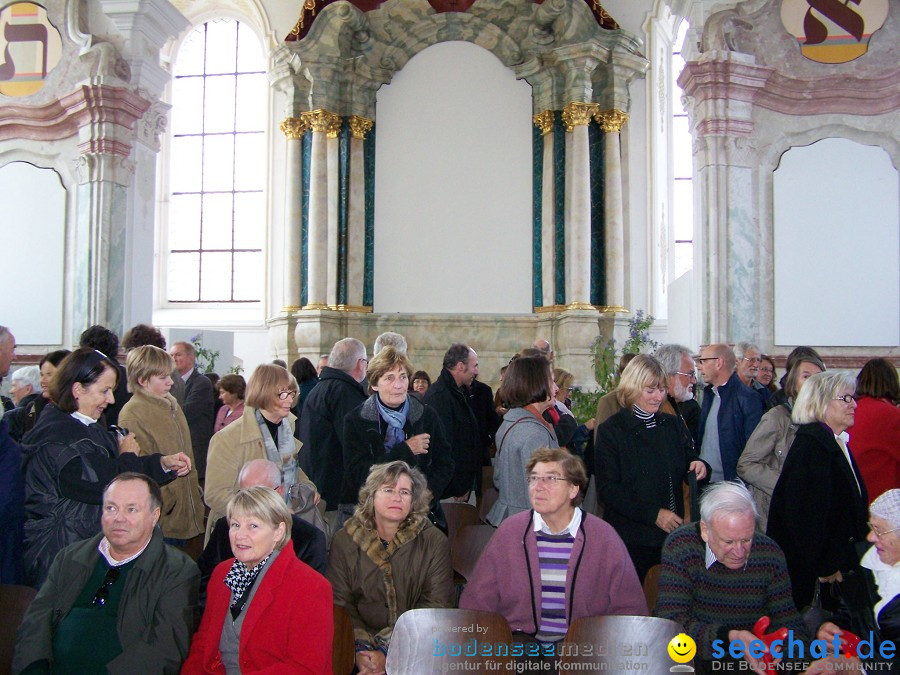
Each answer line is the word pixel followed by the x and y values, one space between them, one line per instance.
pixel 642 457
pixel 555 563
pixel 818 509
pixel 761 461
pixel 388 558
pixel 264 431
pixel 69 459
pixel 767 373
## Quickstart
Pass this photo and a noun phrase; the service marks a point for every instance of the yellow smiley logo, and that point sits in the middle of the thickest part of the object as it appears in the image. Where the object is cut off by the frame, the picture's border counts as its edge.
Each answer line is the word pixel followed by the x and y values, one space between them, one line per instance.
pixel 682 648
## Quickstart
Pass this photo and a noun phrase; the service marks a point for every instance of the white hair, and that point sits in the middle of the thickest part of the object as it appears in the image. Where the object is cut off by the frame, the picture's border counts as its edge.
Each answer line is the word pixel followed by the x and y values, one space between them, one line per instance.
pixel 741 349
pixel 726 497
pixel 389 339
pixel 28 375
pixel 272 472
pixel 887 507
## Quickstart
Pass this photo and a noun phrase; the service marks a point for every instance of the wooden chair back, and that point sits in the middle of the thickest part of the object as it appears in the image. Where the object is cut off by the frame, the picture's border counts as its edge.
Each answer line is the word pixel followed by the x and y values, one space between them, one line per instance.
pixel 471 541
pixel 343 655
pixel 438 640
pixel 489 496
pixel 651 586
pixel 14 601
pixel 599 643
pixel 458 515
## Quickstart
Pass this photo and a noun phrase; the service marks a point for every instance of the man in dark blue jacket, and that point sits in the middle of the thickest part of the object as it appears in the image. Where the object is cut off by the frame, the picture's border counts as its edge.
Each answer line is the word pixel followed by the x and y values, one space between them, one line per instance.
pixel 729 414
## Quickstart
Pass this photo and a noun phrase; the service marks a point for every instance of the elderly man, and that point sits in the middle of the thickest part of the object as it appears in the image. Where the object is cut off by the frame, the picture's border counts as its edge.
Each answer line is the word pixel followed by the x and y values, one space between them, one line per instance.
pixel 388 339
pixel 199 402
pixel 719 576
pixel 120 602
pixel 25 389
pixel 309 541
pixel 678 363
pixel 545 348
pixel 748 359
pixel 321 428
pixel 728 415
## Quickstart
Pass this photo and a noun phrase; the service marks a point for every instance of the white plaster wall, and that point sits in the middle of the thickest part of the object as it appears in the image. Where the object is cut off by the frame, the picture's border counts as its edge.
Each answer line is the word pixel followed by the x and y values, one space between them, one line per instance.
pixel 453 191
pixel 33 235
pixel 837 246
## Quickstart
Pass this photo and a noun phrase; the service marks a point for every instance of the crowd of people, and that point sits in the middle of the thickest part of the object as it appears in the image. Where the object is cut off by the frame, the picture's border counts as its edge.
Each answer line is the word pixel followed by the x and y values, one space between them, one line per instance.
pixel 164 536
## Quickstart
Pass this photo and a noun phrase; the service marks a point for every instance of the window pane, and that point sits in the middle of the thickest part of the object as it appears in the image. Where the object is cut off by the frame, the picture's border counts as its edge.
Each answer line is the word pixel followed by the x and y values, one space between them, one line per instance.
pixel 251 100
pixel 249 225
pixel 221 43
pixel 219 104
pixel 683 210
pixel 190 56
pixel 186 168
pixel 683 259
pixel 187 117
pixel 248 276
pixel 249 162
pixel 218 162
pixel 682 148
pixel 217 213
pixel 215 280
pixel 184 222
pixel 250 57
pixel 184 276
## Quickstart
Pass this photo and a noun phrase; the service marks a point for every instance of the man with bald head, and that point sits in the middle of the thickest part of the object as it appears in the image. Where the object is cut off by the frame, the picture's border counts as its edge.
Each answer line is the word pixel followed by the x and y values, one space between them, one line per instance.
pixel 729 413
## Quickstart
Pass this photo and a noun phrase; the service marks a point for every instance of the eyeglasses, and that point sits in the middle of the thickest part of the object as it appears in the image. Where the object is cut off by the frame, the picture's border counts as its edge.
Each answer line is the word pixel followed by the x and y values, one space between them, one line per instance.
pixel 389 492
pixel 878 533
pixel 112 576
pixel 847 398
pixel 692 376
pixel 546 480
pixel 755 359
pixel 285 395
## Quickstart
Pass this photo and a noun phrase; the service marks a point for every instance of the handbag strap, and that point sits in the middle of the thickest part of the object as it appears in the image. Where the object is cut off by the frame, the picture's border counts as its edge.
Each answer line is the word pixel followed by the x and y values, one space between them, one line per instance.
pixel 500 444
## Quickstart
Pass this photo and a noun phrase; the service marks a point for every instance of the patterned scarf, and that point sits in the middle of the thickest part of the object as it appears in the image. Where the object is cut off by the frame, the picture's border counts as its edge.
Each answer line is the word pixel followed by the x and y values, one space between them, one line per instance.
pixel 239 578
pixel 395 419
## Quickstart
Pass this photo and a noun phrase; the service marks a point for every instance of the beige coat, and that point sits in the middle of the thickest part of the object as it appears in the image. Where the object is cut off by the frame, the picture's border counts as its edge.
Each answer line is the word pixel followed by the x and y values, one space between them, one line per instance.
pixel 160 426
pixel 229 450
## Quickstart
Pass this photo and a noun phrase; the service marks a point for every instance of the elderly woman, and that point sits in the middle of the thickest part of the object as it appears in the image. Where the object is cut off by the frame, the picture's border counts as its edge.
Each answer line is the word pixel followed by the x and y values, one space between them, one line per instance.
pixel 24 390
pixel 527 391
pixel 160 426
pixel 761 461
pixel 875 437
pixel 388 558
pixel 286 605
pixel 231 389
pixel 818 509
pixel 69 459
pixel 264 431
pixel 642 457
pixel 549 566
pixel 392 425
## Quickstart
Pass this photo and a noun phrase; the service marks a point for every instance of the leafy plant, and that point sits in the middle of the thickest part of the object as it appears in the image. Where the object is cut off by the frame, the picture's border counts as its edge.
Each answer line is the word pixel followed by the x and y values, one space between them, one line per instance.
pixel 206 358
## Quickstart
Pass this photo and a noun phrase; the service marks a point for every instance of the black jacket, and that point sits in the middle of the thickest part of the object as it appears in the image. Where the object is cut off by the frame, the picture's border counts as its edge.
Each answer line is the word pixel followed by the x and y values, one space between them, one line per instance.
pixel 322 431
pixel 199 410
pixel 817 515
pixel 634 466
pixel 461 428
pixel 21 419
pixel 364 433
pixel 67 465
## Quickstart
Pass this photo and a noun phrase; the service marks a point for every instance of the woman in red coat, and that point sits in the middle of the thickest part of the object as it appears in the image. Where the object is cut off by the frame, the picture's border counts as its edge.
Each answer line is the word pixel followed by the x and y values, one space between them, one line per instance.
pixel 875 435
pixel 266 610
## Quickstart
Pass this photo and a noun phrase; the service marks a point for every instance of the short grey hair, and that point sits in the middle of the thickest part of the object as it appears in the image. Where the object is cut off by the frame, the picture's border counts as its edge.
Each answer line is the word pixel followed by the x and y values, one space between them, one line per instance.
pixel 741 349
pixel 272 472
pixel 28 375
pixel 346 353
pixel 726 497
pixel 669 357
pixel 817 392
pixel 389 339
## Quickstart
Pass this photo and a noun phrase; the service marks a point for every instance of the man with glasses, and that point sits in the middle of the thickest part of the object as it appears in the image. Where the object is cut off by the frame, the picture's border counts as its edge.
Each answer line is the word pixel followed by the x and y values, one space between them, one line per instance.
pixel 749 359
pixel 321 428
pixel 728 415
pixel 678 363
pixel 121 601
pixel 199 402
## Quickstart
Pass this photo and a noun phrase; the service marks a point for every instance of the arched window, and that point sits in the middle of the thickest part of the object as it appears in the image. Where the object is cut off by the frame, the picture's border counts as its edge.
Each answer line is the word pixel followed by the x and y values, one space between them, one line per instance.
pixel 214 223
pixel 683 165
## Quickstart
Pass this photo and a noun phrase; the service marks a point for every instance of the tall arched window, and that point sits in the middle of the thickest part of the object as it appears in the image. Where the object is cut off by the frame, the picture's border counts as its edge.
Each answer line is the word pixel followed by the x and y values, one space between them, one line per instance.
pixel 683 165
pixel 215 225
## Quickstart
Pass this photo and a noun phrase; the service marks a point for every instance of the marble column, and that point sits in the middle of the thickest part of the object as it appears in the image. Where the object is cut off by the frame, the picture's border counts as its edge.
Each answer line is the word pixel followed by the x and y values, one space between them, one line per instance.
pixel 293 129
pixel 577 117
pixel 356 220
pixel 325 127
pixel 612 121
pixel 544 121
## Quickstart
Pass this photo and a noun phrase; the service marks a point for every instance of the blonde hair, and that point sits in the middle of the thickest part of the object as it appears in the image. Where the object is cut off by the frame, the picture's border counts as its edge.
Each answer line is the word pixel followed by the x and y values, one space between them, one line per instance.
pixel 381 475
pixel 817 392
pixel 384 362
pixel 263 503
pixel 265 384
pixel 144 362
pixel 643 371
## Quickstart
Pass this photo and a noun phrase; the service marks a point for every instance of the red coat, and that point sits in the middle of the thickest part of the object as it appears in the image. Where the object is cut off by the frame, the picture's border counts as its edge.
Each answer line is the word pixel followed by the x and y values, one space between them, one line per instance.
pixel 289 625
pixel 875 444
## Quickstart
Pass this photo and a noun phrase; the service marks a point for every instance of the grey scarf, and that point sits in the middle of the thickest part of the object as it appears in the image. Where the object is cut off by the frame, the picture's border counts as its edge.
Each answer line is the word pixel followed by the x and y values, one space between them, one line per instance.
pixel 283 455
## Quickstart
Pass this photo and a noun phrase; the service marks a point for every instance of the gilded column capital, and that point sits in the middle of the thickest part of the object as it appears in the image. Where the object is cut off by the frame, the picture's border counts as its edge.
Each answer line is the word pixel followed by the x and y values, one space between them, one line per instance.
pixel 611 120
pixel 360 126
pixel 578 114
pixel 294 127
pixel 544 122
pixel 322 120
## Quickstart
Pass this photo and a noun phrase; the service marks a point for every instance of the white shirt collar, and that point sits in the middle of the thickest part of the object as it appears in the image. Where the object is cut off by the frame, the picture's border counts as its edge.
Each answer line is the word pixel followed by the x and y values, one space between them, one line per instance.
pixel 103 547
pixel 84 419
pixel 540 525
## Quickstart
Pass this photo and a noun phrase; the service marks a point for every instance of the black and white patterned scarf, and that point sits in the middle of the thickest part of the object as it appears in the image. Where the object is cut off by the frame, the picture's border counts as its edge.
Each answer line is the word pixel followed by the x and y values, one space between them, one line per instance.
pixel 240 578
